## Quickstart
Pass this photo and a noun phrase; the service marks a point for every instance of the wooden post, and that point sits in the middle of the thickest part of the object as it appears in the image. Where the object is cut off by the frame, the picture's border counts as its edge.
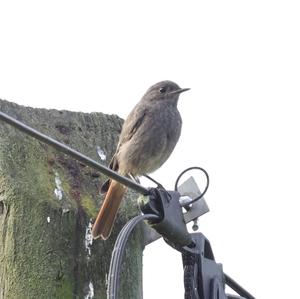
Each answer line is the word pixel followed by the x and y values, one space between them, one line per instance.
pixel 47 201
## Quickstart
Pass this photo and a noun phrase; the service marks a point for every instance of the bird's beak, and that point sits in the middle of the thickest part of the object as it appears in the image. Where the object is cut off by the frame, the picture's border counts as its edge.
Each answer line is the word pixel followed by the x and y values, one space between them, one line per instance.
pixel 180 90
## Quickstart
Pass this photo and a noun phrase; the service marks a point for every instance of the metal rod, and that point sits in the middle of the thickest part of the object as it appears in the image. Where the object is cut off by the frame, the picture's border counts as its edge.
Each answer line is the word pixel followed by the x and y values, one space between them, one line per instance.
pixel 73 153
pixel 237 288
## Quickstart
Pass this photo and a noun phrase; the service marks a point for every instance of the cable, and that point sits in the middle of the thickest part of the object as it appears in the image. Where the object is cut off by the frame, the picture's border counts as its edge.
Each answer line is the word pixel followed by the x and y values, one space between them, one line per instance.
pixel 118 252
pixel 207 182
pixel 159 185
pixel 237 288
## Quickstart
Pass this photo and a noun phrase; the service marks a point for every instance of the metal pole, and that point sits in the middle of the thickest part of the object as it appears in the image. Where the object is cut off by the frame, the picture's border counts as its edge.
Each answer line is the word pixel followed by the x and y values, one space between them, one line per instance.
pixel 73 153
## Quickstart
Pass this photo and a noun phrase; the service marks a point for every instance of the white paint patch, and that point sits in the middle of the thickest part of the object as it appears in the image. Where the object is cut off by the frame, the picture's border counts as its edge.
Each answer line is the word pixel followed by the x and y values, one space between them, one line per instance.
pixel 48 219
pixel 88 239
pixel 101 153
pixel 90 294
pixel 65 210
pixel 58 191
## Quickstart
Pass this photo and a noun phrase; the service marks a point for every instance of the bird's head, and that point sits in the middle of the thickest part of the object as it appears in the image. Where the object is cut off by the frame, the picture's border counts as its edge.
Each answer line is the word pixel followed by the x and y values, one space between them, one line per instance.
pixel 164 90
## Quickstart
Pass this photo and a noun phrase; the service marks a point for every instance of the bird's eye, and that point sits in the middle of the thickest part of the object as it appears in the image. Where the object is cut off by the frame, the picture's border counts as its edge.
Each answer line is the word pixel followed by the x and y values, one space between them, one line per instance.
pixel 162 89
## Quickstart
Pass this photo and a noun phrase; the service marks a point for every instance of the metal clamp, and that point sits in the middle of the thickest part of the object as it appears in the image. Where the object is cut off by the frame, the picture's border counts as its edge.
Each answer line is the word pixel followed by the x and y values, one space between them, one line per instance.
pixel 171 225
pixel 188 190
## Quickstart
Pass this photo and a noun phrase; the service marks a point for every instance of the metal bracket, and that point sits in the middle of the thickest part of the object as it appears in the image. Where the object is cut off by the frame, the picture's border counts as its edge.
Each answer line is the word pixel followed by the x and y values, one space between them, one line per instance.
pixel 188 190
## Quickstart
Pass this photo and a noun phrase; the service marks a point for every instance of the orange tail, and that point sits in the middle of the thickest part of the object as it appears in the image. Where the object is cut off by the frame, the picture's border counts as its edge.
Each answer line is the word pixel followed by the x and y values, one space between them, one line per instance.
pixel 107 214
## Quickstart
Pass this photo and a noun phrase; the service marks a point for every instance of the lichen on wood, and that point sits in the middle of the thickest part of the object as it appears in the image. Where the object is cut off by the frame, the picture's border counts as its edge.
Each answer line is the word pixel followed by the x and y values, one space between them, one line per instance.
pixel 47 201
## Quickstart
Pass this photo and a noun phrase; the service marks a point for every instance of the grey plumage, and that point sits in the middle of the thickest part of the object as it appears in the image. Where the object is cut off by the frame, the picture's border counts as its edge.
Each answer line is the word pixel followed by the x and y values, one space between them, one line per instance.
pixel 148 137
pixel 150 132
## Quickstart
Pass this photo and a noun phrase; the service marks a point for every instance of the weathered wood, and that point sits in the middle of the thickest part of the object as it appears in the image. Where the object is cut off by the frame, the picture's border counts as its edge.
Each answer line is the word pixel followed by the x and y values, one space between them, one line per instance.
pixel 46 202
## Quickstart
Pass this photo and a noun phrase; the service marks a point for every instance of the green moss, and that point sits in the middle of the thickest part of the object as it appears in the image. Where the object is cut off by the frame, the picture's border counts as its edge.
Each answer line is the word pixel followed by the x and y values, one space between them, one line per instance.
pixel 89 206
pixel 42 249
pixel 64 290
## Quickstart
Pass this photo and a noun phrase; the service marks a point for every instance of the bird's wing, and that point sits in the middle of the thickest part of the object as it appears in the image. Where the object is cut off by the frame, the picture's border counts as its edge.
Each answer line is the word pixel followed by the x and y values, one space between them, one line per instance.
pixel 114 165
pixel 132 124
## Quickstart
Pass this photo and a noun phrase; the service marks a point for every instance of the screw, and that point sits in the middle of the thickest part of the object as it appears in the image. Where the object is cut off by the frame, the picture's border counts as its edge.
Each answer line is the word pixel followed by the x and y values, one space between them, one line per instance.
pixel 195 226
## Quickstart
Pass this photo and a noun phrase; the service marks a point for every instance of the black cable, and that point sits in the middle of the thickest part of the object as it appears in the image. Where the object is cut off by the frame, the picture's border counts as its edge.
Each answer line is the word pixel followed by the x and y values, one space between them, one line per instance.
pixel 207 182
pixel 159 185
pixel 118 252
pixel 237 288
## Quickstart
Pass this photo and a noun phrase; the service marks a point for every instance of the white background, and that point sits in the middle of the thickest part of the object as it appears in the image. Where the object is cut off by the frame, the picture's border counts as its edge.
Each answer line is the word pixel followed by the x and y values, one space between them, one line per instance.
pixel 240 119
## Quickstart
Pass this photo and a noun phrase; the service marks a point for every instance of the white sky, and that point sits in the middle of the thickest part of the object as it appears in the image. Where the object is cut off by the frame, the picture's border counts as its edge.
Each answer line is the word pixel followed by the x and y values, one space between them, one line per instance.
pixel 240 119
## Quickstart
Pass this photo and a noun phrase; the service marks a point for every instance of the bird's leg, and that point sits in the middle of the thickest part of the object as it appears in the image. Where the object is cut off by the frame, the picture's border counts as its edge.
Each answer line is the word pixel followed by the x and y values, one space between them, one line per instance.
pixel 134 178
pixel 159 185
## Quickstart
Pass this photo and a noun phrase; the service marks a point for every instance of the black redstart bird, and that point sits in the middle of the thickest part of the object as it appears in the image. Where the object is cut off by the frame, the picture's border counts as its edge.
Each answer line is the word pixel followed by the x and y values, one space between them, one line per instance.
pixel 148 137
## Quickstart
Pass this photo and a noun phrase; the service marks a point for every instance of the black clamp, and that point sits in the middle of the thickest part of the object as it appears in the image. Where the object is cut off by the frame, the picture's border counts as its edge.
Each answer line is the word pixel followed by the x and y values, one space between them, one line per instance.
pixel 171 225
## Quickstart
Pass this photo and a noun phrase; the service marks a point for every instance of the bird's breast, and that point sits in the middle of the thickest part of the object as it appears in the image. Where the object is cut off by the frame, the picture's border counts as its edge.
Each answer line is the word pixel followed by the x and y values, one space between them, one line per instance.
pixel 152 143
